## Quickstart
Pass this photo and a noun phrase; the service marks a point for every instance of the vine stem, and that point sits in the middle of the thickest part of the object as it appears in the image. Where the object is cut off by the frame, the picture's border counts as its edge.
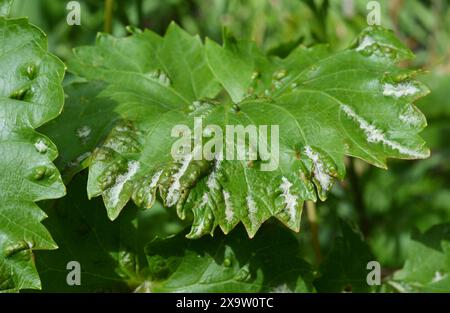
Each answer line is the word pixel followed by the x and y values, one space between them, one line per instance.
pixel 109 4
pixel 314 227
pixel 355 185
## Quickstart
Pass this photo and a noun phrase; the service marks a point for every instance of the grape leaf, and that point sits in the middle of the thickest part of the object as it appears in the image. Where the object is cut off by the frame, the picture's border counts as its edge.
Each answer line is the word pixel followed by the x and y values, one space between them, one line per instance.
pixel 355 102
pixel 233 263
pixel 427 268
pixel 84 122
pixel 110 254
pixel 30 95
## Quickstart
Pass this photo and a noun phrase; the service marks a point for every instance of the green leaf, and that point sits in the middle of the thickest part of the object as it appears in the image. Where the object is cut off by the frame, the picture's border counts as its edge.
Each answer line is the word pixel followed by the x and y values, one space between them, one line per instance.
pixel 85 121
pixel 344 269
pixel 110 254
pixel 355 102
pixel 427 268
pixel 267 263
pixel 30 95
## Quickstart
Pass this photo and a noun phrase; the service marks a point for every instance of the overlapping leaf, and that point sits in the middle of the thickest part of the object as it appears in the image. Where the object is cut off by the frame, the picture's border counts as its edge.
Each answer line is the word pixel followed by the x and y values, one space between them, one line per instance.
pixel 110 254
pixel 267 263
pixel 30 95
pixel 356 102
pixel 345 268
pixel 427 267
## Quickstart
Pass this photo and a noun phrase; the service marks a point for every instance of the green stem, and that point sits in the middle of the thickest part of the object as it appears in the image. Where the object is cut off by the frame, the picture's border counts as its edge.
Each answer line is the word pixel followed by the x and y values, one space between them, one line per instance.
pixel 109 4
pixel 314 227
pixel 140 14
pixel 360 206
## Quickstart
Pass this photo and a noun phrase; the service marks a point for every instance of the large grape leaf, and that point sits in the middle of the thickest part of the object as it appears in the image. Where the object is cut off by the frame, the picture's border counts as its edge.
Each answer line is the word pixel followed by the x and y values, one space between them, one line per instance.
pixel 30 95
pixel 427 268
pixel 267 263
pixel 355 102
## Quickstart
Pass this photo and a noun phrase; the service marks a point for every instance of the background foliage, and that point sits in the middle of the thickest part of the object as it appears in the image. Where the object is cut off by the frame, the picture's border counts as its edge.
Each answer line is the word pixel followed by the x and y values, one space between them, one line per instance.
pixel 399 217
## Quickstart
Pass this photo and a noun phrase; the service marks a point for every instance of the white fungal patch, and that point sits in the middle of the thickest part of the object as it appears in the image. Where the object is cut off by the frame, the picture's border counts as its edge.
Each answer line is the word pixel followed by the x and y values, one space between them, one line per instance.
pixel 366 42
pixel 152 185
pixel 205 199
pixel 374 134
pixel 79 159
pixel 200 228
pixel 320 173
pixel 115 191
pixel 212 179
pixel 410 116
pixel 164 79
pixel 201 109
pixel 252 209
pixel 400 90
pixel 122 128
pixel 283 288
pixel 40 146
pixel 83 132
pixel 229 214
pixel 251 204
pixel 173 194
pixel 290 200
pixel 438 277
pixel 155 179
pixel 114 144
pixel 207 132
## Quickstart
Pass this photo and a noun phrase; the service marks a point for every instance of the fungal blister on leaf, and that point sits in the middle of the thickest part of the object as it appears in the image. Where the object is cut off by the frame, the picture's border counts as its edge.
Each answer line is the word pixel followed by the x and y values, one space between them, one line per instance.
pixel 29 98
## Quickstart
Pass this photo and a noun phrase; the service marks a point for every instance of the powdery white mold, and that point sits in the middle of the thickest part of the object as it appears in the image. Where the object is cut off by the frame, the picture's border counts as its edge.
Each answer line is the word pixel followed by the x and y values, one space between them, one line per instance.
pixel 320 173
pixel 229 214
pixel 290 200
pixel 410 116
pixel 438 277
pixel 374 134
pixel 83 132
pixel 173 194
pixel 152 185
pixel 283 288
pixel 205 199
pixel 41 146
pixel 164 79
pixel 201 109
pixel 201 226
pixel 366 42
pixel 252 209
pixel 115 191
pixel 212 179
pixel 79 159
pixel 400 90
